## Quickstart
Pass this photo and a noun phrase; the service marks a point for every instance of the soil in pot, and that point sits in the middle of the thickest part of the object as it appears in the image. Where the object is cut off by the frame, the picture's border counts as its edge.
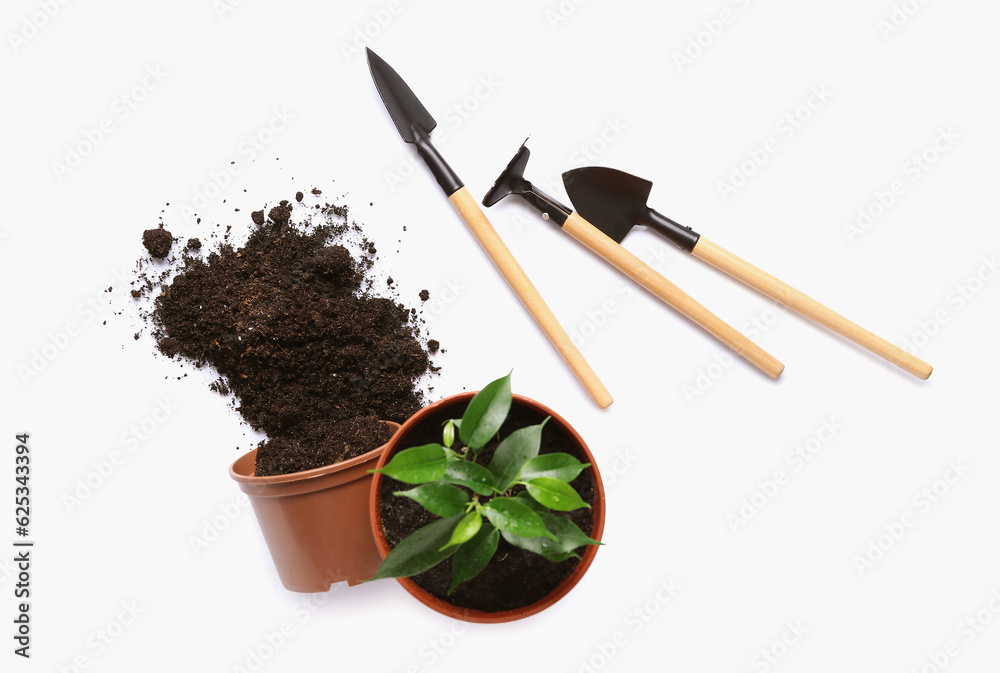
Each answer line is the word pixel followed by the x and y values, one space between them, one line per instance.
pixel 292 324
pixel 353 437
pixel 515 577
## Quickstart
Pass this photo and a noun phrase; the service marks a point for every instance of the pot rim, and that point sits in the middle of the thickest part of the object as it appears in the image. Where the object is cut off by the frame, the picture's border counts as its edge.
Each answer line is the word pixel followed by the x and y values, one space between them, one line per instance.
pixel 481 616
pixel 242 468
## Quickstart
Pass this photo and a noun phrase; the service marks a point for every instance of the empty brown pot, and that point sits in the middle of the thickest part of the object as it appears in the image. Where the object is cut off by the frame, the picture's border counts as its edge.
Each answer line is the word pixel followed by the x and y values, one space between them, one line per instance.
pixel 315 522
pixel 399 442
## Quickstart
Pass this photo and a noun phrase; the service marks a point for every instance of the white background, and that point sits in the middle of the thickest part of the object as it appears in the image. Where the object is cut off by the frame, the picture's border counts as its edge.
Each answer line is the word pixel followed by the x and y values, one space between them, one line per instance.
pixel 691 434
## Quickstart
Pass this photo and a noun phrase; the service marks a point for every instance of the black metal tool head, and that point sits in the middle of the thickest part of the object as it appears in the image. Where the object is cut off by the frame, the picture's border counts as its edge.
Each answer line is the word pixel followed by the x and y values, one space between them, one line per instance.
pixel 511 181
pixel 615 201
pixel 407 112
pixel 612 200
pixel 412 120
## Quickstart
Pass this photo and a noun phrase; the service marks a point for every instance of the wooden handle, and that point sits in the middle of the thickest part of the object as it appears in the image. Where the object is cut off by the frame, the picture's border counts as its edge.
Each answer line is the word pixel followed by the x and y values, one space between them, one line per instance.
pixel 494 246
pixel 810 308
pixel 642 273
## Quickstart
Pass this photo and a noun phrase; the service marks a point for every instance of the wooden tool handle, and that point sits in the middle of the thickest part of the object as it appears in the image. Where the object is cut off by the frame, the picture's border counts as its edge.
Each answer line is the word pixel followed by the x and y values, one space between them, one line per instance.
pixel 494 246
pixel 642 273
pixel 810 308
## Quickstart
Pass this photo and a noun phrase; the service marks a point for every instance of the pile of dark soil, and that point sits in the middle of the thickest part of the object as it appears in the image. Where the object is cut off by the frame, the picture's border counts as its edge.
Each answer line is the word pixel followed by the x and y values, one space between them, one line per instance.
pixel 515 577
pixel 288 320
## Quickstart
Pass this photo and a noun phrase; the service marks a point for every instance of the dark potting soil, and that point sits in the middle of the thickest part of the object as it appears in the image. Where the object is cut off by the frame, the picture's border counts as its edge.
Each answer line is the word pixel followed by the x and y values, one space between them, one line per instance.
pixel 355 436
pixel 515 577
pixel 290 323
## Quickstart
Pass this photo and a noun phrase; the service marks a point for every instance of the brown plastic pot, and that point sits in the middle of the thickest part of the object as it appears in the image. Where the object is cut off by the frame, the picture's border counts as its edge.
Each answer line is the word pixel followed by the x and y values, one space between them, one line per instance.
pixel 399 442
pixel 315 522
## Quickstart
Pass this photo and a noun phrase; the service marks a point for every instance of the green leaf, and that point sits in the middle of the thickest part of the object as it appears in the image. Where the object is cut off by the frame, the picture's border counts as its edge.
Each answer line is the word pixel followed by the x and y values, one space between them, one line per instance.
pixel 525 499
pixel 420 551
pixel 555 494
pixel 485 414
pixel 568 538
pixel 511 516
pixel 514 451
pixel 470 475
pixel 569 534
pixel 418 465
pixel 440 499
pixel 448 436
pixel 465 530
pixel 555 465
pixel 473 556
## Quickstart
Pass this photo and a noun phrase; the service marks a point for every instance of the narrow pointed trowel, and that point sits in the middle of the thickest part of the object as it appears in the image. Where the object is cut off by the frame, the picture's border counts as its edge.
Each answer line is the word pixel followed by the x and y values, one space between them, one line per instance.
pixel 512 181
pixel 415 124
pixel 616 201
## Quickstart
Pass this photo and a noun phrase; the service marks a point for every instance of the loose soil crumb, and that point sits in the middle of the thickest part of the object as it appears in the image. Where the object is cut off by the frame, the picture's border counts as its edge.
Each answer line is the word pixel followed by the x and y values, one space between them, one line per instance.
pixel 193 244
pixel 219 386
pixel 289 323
pixel 433 345
pixel 157 242
pixel 424 295
pixel 280 213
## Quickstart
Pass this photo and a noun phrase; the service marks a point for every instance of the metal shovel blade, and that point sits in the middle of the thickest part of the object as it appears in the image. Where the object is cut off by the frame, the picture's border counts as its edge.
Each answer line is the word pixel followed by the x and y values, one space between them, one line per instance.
pixel 406 110
pixel 611 200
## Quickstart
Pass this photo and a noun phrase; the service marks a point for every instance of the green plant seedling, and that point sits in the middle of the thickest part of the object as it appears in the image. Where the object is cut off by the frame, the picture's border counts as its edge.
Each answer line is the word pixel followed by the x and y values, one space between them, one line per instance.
pixel 475 501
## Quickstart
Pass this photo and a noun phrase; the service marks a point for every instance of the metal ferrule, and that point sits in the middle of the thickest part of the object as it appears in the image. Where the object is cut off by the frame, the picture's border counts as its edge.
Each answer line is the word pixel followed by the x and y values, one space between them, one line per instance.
pixel 681 236
pixel 443 173
pixel 550 208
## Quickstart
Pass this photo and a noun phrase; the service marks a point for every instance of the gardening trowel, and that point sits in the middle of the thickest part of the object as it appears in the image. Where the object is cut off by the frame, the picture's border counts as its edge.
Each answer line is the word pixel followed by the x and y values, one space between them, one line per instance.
pixel 415 124
pixel 512 181
pixel 615 202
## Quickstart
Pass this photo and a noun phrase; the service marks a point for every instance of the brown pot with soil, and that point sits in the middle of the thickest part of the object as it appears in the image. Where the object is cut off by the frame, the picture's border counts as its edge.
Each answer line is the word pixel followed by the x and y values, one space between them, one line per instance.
pixel 316 521
pixel 310 351
pixel 515 583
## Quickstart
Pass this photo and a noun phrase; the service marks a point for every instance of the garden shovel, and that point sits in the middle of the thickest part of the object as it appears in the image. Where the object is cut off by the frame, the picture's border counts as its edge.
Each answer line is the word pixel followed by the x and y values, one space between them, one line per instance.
pixel 512 181
pixel 415 124
pixel 615 202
